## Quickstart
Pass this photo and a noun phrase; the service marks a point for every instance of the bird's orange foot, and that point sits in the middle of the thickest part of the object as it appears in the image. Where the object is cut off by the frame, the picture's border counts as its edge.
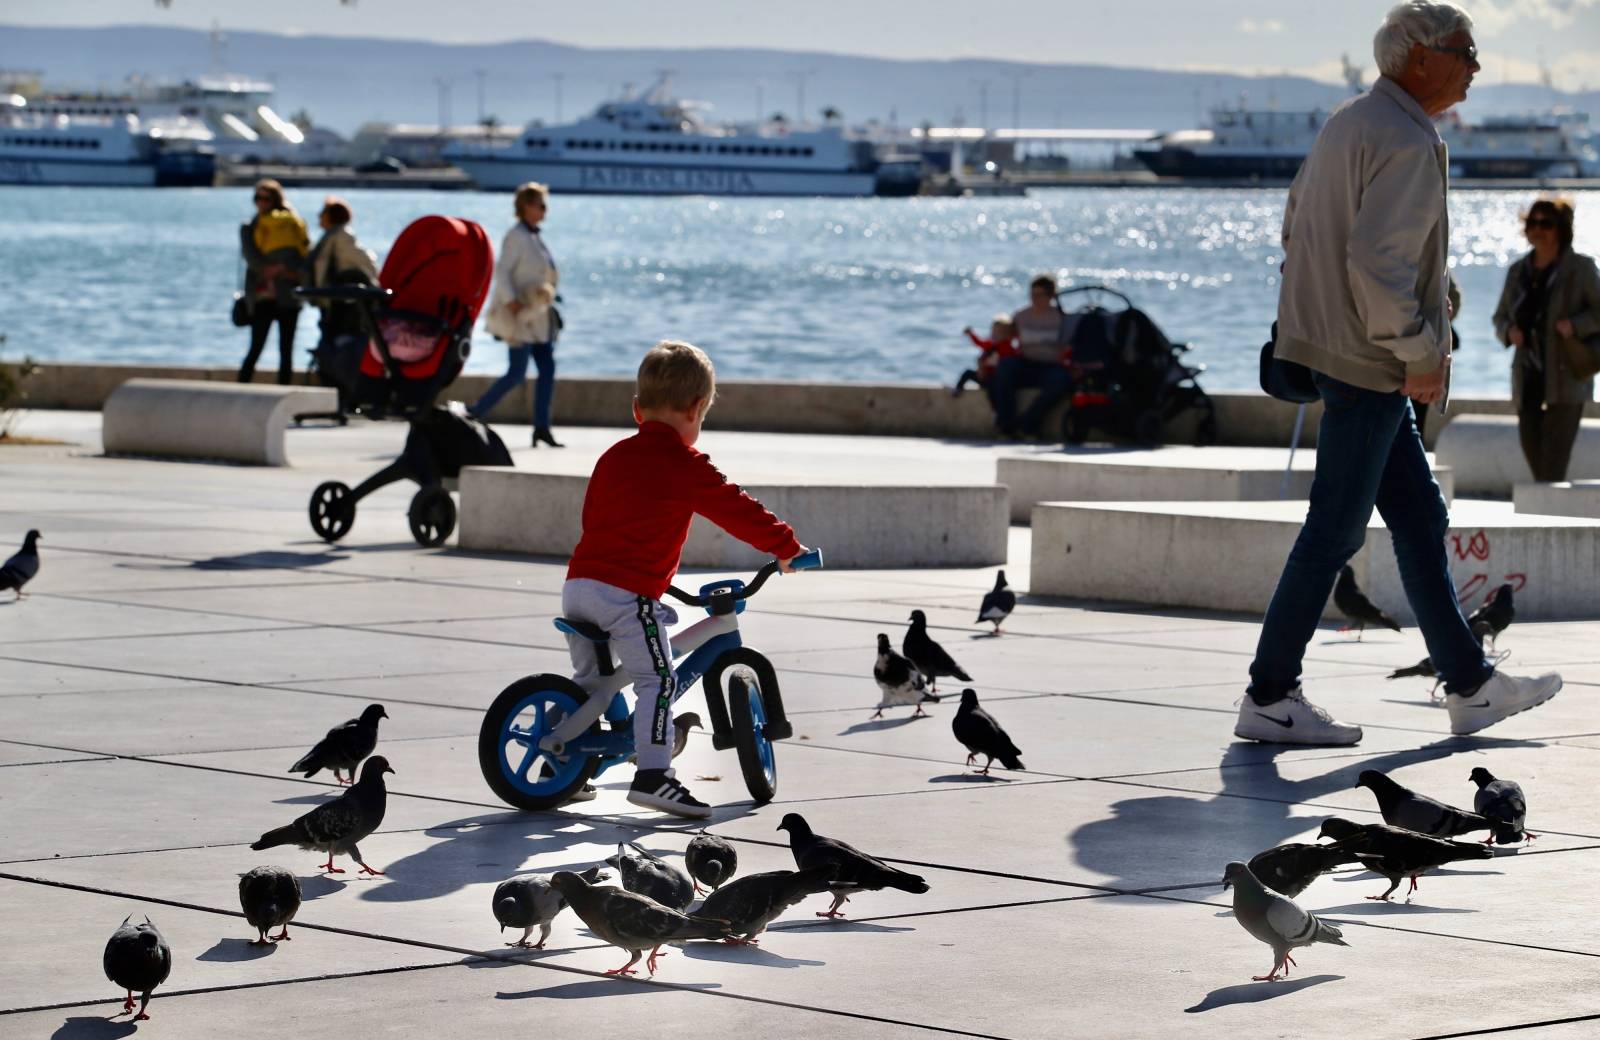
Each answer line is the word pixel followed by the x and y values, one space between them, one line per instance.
pixel 127 1005
pixel 829 913
pixel 620 971
pixel 329 868
pixel 368 870
pixel 141 1017
pixel 282 936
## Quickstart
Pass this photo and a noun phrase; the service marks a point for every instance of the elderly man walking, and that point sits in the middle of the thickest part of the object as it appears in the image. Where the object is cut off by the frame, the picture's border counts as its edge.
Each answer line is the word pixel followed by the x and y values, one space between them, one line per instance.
pixel 1363 305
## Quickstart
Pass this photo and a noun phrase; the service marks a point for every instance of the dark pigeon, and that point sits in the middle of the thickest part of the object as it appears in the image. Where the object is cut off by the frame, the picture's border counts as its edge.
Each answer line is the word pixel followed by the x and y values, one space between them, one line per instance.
pixel 998 603
pixel 1424 669
pixel 1275 919
pixel 980 734
pixel 1291 868
pixel 898 681
pixel 631 921
pixel 1495 616
pixel 22 566
pixel 336 827
pixel 1404 808
pixel 681 725
pixel 529 901
pixel 138 959
pixel 344 747
pixel 750 903
pixel 929 657
pixel 1395 853
pixel 711 861
pixel 1503 804
pixel 646 873
pixel 1354 604
pixel 270 897
pixel 857 871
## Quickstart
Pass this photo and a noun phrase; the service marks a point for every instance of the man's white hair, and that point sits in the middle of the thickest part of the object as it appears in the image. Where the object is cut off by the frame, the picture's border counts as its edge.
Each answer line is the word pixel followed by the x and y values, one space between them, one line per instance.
pixel 1428 22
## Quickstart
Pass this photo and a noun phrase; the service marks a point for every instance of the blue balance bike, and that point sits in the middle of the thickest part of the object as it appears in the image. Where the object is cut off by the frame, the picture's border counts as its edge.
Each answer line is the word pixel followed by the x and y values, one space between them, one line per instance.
pixel 544 737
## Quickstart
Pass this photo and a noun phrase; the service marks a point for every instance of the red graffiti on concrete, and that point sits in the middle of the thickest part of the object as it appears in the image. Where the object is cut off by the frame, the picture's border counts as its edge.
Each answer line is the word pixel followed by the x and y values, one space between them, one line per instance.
pixel 1476 546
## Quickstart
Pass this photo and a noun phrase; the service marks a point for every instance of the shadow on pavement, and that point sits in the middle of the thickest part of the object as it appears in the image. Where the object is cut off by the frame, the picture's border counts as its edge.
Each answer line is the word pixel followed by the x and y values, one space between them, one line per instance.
pixel 237 950
pixel 1255 992
pixel 91 1027
pixel 603 988
pixel 1395 908
pixel 877 725
pixel 759 956
pixel 970 778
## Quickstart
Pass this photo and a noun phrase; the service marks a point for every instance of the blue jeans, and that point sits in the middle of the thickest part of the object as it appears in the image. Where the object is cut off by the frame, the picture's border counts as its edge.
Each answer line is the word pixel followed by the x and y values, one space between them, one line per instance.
pixel 544 391
pixel 1014 373
pixel 1369 453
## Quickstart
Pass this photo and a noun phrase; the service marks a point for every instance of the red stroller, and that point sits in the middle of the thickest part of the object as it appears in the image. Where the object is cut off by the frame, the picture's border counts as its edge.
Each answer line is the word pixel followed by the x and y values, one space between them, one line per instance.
pixel 418 322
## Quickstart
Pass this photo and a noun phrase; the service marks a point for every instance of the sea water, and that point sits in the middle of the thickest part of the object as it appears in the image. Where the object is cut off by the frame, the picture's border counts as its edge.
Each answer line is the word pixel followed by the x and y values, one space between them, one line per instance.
pixel 805 289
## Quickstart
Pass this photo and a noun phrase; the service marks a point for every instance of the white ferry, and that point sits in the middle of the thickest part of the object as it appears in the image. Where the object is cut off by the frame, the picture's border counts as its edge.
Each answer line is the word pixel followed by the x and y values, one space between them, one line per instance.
pixel 653 144
pixel 112 151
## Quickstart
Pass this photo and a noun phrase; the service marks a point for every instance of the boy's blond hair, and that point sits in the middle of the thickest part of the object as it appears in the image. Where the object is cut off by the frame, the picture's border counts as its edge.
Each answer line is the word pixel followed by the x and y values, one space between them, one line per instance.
pixel 675 375
pixel 1004 321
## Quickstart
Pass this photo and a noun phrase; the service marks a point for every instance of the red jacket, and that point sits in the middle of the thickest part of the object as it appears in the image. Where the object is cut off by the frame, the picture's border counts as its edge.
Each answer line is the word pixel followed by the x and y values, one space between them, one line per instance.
pixel 642 495
pixel 1002 347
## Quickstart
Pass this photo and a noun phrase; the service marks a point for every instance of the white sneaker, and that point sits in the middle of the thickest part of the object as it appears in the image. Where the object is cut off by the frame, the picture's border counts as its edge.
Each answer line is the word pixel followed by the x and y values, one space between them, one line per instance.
pixel 1293 720
pixel 1500 698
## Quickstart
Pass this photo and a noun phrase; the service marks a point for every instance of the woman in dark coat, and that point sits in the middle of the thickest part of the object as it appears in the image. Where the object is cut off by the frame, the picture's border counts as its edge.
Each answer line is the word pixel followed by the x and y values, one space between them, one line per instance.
pixel 274 244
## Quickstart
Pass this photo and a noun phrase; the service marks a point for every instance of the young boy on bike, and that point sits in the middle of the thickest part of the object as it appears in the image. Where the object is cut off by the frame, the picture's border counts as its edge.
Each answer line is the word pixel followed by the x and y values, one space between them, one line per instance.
pixel 636 513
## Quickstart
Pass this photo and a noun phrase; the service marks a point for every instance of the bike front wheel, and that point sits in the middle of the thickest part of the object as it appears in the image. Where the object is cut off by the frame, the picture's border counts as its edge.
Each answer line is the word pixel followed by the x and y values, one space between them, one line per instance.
pixel 747 713
pixel 513 764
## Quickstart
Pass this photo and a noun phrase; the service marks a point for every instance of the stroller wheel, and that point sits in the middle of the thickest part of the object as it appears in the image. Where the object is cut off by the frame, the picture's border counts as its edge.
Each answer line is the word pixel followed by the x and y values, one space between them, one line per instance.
pixel 432 516
pixel 331 515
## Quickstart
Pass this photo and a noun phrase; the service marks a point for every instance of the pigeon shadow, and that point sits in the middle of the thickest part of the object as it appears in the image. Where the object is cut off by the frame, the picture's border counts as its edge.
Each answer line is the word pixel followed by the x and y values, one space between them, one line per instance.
pixel 604 988
pixel 232 950
pixel 877 725
pixel 1255 992
pixel 319 885
pixel 90 1027
pixel 759 956
pixel 1382 908
pixel 984 635
pixel 970 778
pixel 268 559
pixel 310 799
pixel 839 924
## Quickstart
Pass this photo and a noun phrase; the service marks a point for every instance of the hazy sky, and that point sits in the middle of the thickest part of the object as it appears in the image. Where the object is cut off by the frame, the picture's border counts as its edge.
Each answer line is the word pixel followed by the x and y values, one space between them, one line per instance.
pixel 1245 35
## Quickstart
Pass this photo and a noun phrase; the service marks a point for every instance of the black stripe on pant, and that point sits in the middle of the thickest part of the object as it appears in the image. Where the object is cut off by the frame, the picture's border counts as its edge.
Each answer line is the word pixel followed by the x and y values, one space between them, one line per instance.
pixel 661 710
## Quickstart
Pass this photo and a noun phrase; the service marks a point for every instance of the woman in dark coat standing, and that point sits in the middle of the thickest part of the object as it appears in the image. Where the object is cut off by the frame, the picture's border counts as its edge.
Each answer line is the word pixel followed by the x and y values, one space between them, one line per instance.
pixel 274 244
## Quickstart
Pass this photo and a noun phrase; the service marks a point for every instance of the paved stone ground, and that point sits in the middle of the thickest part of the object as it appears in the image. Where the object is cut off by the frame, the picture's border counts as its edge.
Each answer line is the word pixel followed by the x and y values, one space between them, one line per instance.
pixel 188 638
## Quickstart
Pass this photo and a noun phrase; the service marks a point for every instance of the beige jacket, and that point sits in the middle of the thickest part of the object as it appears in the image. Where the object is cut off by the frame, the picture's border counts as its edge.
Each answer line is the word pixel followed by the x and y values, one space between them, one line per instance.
pixel 524 271
pixel 1365 236
pixel 337 250
pixel 1574 295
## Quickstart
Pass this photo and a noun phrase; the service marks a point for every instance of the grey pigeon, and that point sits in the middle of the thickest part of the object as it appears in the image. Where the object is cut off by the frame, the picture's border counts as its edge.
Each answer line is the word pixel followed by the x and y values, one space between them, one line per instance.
pixel 138 959
pixel 270 897
pixel 1354 604
pixel 711 861
pixel 336 827
pixel 1405 808
pixel 1291 868
pixel 646 873
pixel 22 566
pixel 1423 668
pixel 681 725
pixel 898 680
pixel 1503 804
pixel 857 871
pixel 754 901
pixel 1495 616
pixel 529 901
pixel 1275 919
pixel 929 657
pixel 980 734
pixel 998 603
pixel 631 921
pixel 1398 854
pixel 344 747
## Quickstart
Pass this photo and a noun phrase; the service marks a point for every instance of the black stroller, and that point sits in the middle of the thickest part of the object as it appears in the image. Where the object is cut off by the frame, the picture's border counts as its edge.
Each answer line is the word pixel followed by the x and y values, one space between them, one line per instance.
pixel 418 322
pixel 1131 379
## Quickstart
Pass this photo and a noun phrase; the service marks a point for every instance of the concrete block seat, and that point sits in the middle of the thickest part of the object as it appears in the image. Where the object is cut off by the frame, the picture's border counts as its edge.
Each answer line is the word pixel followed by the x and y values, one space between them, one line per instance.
pixel 1228 555
pixel 1486 454
pixel 1568 498
pixel 186 419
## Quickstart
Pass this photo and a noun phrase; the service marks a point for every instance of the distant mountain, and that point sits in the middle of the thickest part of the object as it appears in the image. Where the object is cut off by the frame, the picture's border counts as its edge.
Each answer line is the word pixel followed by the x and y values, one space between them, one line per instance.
pixel 345 81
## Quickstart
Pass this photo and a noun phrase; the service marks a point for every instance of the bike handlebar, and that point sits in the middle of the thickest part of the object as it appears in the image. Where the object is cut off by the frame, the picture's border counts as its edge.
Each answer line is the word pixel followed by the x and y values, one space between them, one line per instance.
pixel 806 561
pixel 356 293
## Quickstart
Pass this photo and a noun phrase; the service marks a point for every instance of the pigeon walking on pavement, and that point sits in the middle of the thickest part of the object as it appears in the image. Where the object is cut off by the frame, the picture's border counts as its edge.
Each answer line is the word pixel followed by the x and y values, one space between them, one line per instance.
pixel 22 566
pixel 1503 804
pixel 344 747
pixel 898 680
pixel 630 921
pixel 1397 854
pixel 1354 604
pixel 1275 919
pixel 681 725
pixel 857 871
pixel 711 861
pixel 754 901
pixel 338 826
pixel 1405 808
pixel 998 603
pixel 980 734
pixel 1495 616
pixel 1291 868
pixel 929 657
pixel 269 897
pixel 529 901
pixel 137 959
pixel 644 872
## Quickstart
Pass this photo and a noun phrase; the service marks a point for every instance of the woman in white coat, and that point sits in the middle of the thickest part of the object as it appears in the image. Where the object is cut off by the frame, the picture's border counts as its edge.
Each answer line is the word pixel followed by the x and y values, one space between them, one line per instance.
pixel 522 312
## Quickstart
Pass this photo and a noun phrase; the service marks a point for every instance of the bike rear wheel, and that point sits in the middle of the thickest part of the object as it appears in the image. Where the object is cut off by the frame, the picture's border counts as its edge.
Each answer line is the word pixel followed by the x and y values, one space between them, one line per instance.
pixel 747 713
pixel 508 743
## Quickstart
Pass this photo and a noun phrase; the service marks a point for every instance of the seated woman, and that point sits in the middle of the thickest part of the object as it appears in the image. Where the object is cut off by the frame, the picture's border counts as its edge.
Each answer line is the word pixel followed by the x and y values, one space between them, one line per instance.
pixel 1044 347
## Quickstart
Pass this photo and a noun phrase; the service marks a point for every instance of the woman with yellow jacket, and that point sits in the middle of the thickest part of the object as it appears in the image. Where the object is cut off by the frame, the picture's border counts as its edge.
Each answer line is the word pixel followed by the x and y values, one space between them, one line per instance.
pixel 274 244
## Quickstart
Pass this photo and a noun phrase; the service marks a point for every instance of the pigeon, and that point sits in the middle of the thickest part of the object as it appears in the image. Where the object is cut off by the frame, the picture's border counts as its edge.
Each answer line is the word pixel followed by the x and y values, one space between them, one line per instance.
pixel 1396 853
pixel 754 901
pixel 336 826
pixel 681 725
pixel 1354 604
pixel 1502 803
pixel 527 901
pixel 857 871
pixel 711 861
pixel 998 603
pixel 649 875
pixel 138 959
pixel 898 680
pixel 631 921
pixel 1423 668
pixel 1404 808
pixel 344 747
pixel 929 657
pixel 980 734
pixel 1275 919
pixel 270 897
pixel 1291 868
pixel 22 566
pixel 1487 622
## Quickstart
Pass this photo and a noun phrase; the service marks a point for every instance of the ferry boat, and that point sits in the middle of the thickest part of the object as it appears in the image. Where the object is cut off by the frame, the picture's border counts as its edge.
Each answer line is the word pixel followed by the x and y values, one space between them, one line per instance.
pixel 654 144
pixel 111 151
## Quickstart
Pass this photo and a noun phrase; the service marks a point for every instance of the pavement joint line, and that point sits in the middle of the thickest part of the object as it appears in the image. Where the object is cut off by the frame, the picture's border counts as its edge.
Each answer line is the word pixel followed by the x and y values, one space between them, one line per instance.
pixel 1496 1030
pixel 275 627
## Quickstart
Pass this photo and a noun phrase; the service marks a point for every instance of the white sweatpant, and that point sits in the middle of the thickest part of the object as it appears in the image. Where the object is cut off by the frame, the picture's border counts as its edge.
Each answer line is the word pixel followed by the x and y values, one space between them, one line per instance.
pixel 638 628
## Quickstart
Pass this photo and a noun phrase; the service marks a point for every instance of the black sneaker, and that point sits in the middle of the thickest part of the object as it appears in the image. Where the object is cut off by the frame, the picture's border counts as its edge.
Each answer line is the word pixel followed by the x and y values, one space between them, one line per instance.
pixel 659 789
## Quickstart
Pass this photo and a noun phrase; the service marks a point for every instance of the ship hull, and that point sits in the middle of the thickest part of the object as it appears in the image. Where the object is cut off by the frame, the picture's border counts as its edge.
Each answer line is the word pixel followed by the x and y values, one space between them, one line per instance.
pixel 503 173
pixel 81 174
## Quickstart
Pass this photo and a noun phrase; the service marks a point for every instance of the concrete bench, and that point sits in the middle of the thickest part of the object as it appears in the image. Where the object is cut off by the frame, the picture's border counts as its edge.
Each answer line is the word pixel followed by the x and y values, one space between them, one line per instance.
pixel 1228 556
pixel 857 525
pixel 1568 498
pixel 1485 454
pixel 202 420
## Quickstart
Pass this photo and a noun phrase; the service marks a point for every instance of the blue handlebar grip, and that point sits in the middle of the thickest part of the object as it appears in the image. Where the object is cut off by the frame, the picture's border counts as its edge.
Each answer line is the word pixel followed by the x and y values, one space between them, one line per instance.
pixel 811 560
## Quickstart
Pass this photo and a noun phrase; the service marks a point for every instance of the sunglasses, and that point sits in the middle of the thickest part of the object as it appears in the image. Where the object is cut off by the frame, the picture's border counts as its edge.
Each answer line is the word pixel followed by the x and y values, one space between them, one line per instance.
pixel 1466 54
pixel 263 198
pixel 1540 222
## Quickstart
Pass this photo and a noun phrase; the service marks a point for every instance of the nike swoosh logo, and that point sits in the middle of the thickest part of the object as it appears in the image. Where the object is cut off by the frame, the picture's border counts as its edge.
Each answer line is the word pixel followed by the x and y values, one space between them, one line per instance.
pixel 1287 722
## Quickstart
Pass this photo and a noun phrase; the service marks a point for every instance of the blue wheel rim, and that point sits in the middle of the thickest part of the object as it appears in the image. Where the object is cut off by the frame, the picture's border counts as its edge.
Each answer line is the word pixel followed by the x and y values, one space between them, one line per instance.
pixel 758 721
pixel 523 765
